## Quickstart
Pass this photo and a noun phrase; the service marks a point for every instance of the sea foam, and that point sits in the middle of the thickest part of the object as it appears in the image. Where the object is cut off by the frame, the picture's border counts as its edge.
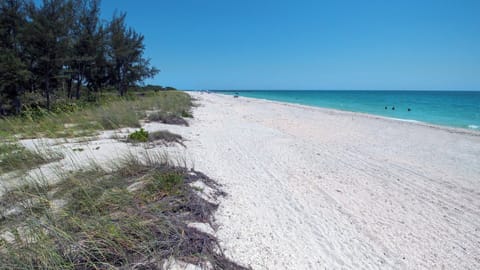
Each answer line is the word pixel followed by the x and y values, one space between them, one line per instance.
pixel 473 126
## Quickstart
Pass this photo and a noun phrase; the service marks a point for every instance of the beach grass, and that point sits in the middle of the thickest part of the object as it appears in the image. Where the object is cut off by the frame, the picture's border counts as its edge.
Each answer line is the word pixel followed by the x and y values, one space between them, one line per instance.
pixel 168 118
pixel 15 157
pixel 165 136
pixel 108 113
pixel 135 215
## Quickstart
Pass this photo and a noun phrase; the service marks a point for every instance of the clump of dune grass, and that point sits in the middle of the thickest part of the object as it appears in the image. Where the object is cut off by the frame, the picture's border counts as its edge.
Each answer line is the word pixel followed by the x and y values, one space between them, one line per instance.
pixel 163 136
pixel 109 112
pixel 135 216
pixel 167 118
pixel 14 156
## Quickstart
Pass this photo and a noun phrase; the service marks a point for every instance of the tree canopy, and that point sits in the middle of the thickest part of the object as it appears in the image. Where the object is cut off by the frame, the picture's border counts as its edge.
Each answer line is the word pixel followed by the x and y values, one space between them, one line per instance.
pixel 63 49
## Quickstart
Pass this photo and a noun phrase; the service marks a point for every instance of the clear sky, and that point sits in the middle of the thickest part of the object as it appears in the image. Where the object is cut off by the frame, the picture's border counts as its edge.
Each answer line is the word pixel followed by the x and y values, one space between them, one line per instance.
pixel 335 44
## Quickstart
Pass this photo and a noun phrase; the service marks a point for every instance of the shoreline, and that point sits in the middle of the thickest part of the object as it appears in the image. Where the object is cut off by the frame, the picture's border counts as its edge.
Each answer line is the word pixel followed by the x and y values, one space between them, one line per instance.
pixel 314 188
pixel 471 131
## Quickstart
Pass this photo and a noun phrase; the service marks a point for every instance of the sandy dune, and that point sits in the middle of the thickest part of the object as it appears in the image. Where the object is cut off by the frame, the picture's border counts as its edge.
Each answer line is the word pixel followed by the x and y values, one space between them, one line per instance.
pixel 311 188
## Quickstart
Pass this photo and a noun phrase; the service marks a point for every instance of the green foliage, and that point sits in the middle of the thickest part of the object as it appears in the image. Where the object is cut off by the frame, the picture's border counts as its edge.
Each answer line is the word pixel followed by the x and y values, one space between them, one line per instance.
pixel 62 48
pixel 127 47
pixel 167 182
pixel 69 107
pixel 14 73
pixel 187 114
pixel 109 112
pixel 139 136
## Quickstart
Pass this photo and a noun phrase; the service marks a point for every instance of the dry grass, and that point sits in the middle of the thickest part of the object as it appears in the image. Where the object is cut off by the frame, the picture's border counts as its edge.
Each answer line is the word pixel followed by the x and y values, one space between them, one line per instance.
pixel 162 136
pixel 136 215
pixel 167 118
pixel 165 136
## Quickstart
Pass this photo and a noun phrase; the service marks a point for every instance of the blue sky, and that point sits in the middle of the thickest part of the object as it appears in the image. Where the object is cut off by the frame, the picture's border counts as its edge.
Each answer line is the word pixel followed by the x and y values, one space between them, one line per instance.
pixel 336 44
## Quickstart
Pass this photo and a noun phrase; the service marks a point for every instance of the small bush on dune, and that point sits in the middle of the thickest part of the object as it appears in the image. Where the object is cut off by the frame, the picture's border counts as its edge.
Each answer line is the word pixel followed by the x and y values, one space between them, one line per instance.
pixel 187 114
pixel 139 136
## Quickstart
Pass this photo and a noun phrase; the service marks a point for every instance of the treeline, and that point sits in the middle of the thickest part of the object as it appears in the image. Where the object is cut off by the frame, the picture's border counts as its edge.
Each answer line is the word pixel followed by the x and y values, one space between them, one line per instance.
pixel 62 49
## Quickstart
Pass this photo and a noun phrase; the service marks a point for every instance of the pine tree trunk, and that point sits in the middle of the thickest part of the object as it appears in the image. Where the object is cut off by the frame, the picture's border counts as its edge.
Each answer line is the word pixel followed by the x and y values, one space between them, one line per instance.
pixel 69 88
pixel 78 89
pixel 47 92
pixel 17 104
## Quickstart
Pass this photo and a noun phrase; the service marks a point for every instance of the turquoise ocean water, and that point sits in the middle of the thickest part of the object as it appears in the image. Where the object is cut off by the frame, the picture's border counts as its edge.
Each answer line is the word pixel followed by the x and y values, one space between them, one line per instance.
pixel 448 108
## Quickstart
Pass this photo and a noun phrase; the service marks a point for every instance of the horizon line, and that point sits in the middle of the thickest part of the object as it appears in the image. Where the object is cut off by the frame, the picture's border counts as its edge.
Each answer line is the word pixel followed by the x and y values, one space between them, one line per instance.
pixel 438 90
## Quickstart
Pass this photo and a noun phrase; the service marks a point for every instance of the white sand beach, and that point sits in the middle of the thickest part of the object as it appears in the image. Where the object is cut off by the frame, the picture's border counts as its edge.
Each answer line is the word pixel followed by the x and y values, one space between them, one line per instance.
pixel 311 188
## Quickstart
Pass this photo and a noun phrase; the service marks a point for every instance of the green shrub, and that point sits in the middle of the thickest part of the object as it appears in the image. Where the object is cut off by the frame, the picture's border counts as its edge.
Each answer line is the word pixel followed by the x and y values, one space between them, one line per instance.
pixel 65 107
pixel 187 114
pixel 139 136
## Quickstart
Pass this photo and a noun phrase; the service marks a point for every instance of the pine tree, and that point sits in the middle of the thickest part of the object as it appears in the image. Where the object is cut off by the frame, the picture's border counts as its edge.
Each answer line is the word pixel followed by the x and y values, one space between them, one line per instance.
pixel 47 42
pixel 13 71
pixel 126 55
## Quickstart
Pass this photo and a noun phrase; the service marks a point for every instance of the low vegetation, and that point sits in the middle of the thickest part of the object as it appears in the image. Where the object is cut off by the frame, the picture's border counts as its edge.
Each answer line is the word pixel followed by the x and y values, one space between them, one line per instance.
pixel 136 216
pixel 167 118
pixel 163 136
pixel 15 157
pixel 85 119
pixel 140 135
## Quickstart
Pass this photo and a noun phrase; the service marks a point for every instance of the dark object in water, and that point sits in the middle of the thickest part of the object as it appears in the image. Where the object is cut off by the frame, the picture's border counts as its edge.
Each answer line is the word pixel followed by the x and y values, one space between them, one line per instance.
pixel 386 107
pixel 393 108
pixel 409 109
pixel 236 95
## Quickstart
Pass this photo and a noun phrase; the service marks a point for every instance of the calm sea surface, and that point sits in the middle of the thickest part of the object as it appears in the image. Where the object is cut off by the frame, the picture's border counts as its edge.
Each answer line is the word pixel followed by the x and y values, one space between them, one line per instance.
pixel 448 108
